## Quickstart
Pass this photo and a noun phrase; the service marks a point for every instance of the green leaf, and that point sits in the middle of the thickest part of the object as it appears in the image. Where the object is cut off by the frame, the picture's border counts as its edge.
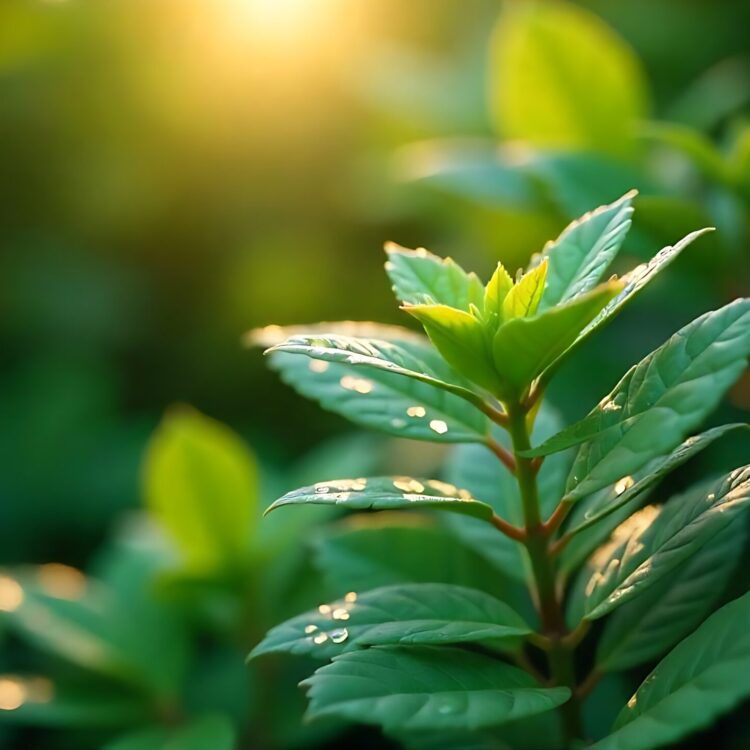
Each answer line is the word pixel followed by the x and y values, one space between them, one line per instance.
pixel 655 541
pixel 610 499
pixel 703 677
pixel 201 483
pixel 523 348
pixel 380 398
pixel 351 558
pixel 64 703
pixel 495 294
pixel 523 298
pixel 214 732
pixel 405 614
pixel 637 279
pixel 588 87
pixel 645 628
pixel 693 144
pixel 387 493
pixel 395 404
pixel 658 401
pixel 426 688
pixel 460 337
pixel 580 256
pixel 420 277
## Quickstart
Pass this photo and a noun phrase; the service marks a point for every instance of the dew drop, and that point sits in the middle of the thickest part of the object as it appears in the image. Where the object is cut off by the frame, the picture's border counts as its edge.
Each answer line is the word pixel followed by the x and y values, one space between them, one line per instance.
pixel 320 639
pixel 624 484
pixel 318 365
pixel 359 385
pixel 340 614
pixel 351 597
pixel 416 411
pixel 310 628
pixel 398 423
pixel 324 609
pixel 11 594
pixel 405 484
pixel 339 635
pixel 437 425
pixel 322 489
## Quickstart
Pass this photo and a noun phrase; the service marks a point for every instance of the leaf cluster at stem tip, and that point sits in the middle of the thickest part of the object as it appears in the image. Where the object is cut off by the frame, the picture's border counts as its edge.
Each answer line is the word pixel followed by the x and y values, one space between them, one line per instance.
pixel 414 650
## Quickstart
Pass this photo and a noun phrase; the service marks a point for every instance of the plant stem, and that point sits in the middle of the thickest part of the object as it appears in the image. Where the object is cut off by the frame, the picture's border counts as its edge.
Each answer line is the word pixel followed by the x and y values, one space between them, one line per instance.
pixel 559 655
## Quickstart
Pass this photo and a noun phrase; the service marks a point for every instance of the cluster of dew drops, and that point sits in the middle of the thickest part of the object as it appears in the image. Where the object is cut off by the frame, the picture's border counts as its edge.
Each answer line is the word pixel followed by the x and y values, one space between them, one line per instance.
pixel 338 613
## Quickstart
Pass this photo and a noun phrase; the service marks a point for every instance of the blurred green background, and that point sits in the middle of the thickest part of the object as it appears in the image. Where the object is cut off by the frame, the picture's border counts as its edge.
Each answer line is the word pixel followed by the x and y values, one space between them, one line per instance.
pixel 176 172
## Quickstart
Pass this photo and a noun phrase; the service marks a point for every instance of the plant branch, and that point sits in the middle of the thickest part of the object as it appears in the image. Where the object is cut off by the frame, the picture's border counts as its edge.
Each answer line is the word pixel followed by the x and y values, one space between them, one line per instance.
pixel 505 456
pixel 508 529
pixel 559 655
pixel 554 522
pixel 591 681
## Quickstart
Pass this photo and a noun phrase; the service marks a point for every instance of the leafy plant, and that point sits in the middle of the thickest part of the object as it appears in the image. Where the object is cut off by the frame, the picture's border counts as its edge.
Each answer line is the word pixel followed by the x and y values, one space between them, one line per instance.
pixel 556 509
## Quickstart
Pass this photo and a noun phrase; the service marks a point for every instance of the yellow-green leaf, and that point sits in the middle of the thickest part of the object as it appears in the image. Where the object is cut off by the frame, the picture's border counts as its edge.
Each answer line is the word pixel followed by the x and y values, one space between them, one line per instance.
pixel 523 348
pixel 200 482
pixel 561 78
pixel 460 339
pixel 523 299
pixel 494 295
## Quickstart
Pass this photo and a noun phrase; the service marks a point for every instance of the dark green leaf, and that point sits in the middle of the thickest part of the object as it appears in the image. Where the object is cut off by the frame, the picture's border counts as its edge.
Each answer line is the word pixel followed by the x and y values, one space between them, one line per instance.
pixel 658 401
pixel 387 493
pixel 426 688
pixel 420 277
pixel 700 679
pixel 208 732
pixel 645 628
pixel 655 541
pixel 352 558
pixel 580 256
pixel 608 500
pixel 62 704
pixel 405 614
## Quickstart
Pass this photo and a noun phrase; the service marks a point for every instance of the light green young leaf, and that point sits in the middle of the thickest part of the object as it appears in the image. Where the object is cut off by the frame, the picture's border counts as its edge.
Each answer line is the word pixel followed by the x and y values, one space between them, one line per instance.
pixel 589 89
pixel 460 338
pixel 700 679
pixel 391 402
pixel 580 256
pixel 655 541
pixel 495 293
pixel 658 401
pixel 645 628
pixel 387 493
pixel 200 482
pixel 522 300
pixel 426 688
pixel 524 348
pixel 404 614
pixel 420 277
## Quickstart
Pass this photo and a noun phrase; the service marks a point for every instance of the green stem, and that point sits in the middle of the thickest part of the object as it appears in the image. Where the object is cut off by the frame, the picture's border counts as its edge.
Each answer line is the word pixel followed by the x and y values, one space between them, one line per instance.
pixel 559 655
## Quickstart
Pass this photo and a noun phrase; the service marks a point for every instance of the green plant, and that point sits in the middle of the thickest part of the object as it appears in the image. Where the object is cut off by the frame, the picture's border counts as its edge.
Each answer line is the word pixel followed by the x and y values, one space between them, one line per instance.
pixel 556 509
